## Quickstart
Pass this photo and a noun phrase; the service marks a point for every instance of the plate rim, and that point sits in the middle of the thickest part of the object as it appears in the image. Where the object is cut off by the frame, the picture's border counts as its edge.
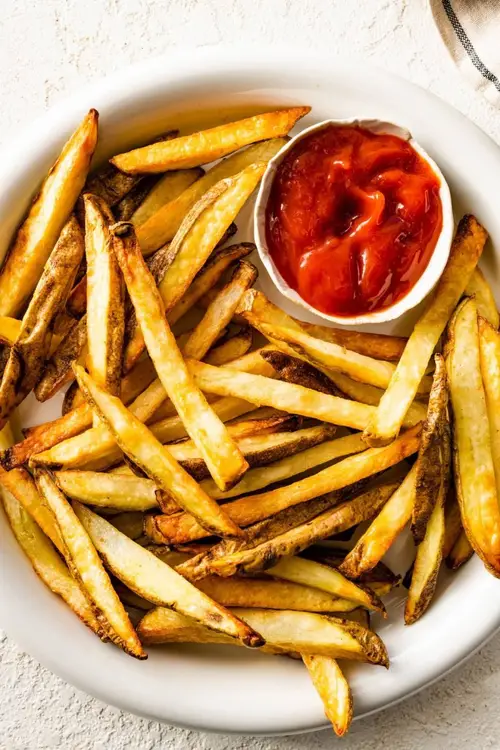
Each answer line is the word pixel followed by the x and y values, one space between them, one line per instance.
pixel 61 117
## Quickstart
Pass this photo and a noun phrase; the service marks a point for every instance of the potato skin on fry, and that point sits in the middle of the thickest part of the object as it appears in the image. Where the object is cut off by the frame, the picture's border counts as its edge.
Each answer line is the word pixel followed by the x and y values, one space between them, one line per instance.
pixel 49 212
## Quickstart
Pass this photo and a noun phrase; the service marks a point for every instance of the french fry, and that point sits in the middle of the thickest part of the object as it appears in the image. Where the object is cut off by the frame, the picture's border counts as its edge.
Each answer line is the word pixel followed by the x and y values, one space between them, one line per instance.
pixel 473 460
pixel 46 217
pixel 27 355
pixel 297 371
pixel 427 562
pixel 141 446
pixel 162 226
pixel 221 455
pixel 105 298
pixel 489 357
pixel 123 492
pixel 323 577
pixel 151 578
pixel 460 553
pixel 333 689
pixel 58 372
pixel 280 471
pixel 452 522
pixel 382 532
pixel 219 313
pixel 206 146
pixel 85 565
pixel 332 356
pixel 125 209
pixel 465 252
pixel 283 630
pixel 479 288
pixel 259 450
pixel 10 329
pixel 230 349
pixel 168 188
pixel 434 456
pixel 377 345
pixel 208 276
pixel 47 564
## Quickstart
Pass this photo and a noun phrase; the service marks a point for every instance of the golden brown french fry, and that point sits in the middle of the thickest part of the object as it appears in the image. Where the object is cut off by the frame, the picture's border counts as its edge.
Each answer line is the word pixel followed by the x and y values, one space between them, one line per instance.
pixel 460 553
pixel 473 460
pixel 219 313
pixel 85 565
pixel 283 630
pixel 46 217
pixel 489 357
pixel 280 471
pixel 268 593
pixel 47 563
pixel 465 252
pixel 123 492
pixel 333 356
pixel 382 532
pixel 58 373
pixel 333 689
pixel 206 146
pixel 167 189
pixel 232 348
pixel 105 298
pixel 299 372
pixel 434 456
pixel 141 446
pixel 220 453
pixel 27 356
pixel 162 226
pixel 427 562
pixel 125 209
pixel 479 288
pixel 10 329
pixel 376 345
pixel 151 578
pixel 323 577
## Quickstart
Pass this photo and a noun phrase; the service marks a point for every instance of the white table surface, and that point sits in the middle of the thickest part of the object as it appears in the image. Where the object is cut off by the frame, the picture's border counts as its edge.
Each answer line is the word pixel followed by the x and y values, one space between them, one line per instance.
pixel 47 49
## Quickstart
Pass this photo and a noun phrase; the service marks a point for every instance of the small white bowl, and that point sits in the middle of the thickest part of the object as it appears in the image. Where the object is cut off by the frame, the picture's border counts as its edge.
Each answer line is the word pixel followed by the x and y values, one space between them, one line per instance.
pixel 439 257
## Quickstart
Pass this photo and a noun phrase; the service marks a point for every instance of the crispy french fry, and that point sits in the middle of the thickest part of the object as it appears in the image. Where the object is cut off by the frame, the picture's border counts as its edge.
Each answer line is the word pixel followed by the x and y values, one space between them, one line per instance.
pixel 10 329
pixel 206 146
pixel 465 252
pixel 460 553
pixel 382 532
pixel 473 460
pixel 283 630
pixel 333 356
pixel 280 471
pixel 333 689
pixel 123 492
pixel 162 226
pixel 167 189
pixel 427 562
pixel 220 312
pixel 141 446
pixel 375 345
pixel 479 288
pixel 148 576
pixel 230 349
pixel 58 372
pixel 85 565
pixel 434 456
pixel 48 214
pixel 323 577
pixel 47 563
pixel 105 298
pixel 489 357
pixel 220 453
pixel 27 355
pixel 297 371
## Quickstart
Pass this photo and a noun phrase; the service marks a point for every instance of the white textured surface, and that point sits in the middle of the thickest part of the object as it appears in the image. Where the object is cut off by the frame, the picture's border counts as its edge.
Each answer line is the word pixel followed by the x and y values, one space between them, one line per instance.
pixel 49 47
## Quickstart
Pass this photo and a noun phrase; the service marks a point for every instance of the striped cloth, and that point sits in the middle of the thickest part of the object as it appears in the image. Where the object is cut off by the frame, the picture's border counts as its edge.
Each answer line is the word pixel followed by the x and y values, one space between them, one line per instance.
pixel 470 30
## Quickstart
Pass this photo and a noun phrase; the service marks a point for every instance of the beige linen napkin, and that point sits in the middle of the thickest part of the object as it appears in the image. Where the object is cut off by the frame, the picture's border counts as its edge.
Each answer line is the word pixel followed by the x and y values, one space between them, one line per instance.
pixel 470 30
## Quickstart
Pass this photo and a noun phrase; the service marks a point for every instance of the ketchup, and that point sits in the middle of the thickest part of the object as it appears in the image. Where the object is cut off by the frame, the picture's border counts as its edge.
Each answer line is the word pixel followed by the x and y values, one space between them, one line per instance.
pixel 352 219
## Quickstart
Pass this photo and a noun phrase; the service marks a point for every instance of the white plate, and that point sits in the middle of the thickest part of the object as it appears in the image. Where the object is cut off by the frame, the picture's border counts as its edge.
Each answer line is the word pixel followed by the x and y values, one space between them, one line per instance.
pixel 225 689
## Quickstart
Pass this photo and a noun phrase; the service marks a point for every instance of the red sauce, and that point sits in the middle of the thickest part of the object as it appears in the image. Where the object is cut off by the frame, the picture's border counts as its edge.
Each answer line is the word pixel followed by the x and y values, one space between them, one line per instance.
pixel 352 219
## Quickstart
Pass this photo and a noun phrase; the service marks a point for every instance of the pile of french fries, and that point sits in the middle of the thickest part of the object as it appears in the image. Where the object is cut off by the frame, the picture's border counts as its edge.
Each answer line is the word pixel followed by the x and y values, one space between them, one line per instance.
pixel 238 482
